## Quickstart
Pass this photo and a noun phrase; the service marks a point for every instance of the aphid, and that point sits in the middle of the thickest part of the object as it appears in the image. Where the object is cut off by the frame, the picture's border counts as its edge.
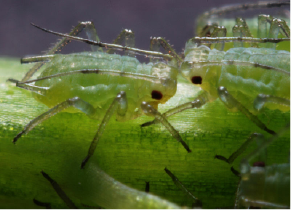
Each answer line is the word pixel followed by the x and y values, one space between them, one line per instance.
pixel 213 24
pixel 196 203
pixel 96 83
pixel 244 79
pixel 260 185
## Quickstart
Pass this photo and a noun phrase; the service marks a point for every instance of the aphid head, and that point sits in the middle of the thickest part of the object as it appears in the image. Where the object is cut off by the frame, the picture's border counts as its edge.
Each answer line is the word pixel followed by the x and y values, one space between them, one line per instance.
pixel 198 75
pixel 190 68
pixel 196 68
pixel 162 91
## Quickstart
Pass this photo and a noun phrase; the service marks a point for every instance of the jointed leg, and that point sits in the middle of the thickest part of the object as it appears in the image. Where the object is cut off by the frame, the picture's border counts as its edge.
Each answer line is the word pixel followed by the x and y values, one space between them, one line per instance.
pixel 240 150
pixel 119 104
pixel 91 33
pixel 32 88
pixel 43 204
pixel 76 102
pixel 261 99
pixel 59 191
pixel 127 37
pixel 241 29
pixel 157 42
pixel 219 31
pixel 197 202
pixel 149 110
pixel 241 7
pixel 206 31
pixel 231 102
pixel 196 103
pixel 111 46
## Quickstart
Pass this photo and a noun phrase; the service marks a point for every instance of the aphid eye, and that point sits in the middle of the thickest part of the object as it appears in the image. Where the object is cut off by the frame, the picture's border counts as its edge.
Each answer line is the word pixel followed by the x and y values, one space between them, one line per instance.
pixel 259 164
pixel 157 95
pixel 196 80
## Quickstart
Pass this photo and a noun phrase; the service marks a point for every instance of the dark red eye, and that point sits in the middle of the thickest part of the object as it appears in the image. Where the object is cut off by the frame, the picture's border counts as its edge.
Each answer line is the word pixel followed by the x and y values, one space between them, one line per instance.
pixel 196 80
pixel 157 95
pixel 259 164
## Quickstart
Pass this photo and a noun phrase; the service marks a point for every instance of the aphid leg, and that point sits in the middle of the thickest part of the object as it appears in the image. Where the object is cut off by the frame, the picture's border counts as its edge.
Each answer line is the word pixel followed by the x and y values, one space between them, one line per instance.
pixel 150 111
pixel 241 29
pixel 219 31
pixel 91 33
pixel 107 45
pixel 235 172
pixel 59 191
pixel 261 99
pixel 32 88
pixel 36 59
pixel 263 26
pixel 207 29
pixel 196 201
pixel 76 102
pixel 278 26
pixel 241 149
pixel 119 104
pixel 43 204
pixel 157 42
pixel 147 187
pixel 196 103
pixel 127 37
pixel 245 167
pixel 240 7
pixel 231 102
pixel 213 13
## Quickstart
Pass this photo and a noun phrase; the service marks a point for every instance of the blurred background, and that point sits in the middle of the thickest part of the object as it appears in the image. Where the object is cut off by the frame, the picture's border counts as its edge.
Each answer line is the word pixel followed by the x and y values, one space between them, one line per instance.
pixel 171 19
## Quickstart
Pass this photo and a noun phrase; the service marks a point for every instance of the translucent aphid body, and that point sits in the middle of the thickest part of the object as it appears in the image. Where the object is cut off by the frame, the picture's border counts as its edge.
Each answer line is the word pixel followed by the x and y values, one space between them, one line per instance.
pixel 267 186
pixel 261 185
pixel 245 79
pixel 101 84
pixel 92 87
pixel 217 23
pixel 244 83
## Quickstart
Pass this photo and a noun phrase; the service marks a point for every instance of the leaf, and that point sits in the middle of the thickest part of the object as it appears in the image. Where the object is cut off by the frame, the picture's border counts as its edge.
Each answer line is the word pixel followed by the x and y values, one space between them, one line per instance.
pixel 128 153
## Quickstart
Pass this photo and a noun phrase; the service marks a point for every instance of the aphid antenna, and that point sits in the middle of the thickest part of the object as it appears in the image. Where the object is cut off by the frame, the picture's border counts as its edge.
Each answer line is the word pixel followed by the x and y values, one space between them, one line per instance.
pixel 213 40
pixel 241 7
pixel 151 54
pixel 150 78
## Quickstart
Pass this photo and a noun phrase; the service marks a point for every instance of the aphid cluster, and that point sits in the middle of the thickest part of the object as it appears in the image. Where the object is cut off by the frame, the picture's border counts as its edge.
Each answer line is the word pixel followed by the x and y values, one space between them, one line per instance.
pixel 248 77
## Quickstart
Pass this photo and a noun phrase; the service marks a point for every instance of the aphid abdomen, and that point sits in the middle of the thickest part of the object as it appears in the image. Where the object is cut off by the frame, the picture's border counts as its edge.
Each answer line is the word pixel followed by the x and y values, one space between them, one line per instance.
pixel 278 184
pixel 98 89
pixel 266 187
pixel 246 82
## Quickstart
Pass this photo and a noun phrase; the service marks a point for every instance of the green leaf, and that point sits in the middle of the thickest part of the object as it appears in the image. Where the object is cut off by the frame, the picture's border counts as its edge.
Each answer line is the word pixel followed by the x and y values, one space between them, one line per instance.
pixel 131 155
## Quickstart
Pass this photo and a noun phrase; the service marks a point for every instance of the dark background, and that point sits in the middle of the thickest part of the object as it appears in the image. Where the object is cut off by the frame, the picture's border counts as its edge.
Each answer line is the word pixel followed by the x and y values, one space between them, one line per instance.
pixel 166 18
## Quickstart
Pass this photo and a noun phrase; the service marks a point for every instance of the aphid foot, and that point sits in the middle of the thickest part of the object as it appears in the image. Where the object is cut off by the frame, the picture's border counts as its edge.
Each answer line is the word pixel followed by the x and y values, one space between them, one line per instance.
pixel 235 172
pixel 84 162
pixel 147 123
pixel 42 204
pixel 17 136
pixel 220 157
pixel 12 80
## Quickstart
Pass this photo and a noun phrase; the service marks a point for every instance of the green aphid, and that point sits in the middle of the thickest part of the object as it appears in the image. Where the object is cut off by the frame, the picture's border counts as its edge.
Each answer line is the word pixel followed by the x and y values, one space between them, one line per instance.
pixel 245 79
pixel 220 22
pixel 101 84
